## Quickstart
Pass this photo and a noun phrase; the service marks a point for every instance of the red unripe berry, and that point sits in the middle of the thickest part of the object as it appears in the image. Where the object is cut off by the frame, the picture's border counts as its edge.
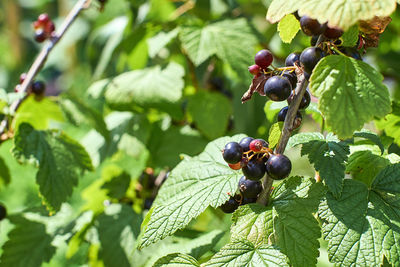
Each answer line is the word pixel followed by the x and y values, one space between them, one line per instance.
pixel 254 69
pixel 236 166
pixel 43 19
pixel 22 78
pixel 263 58
pixel 37 25
pixel 49 28
pixel 256 145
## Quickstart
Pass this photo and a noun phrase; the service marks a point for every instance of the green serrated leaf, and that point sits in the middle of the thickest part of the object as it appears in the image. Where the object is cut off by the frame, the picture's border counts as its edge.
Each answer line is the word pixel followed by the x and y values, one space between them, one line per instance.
pixel 230 40
pixel 390 124
pixel 329 160
pixel 117 182
pixel 159 41
pixel 288 28
pixel 59 158
pixel 203 105
pixel 244 253
pixel 338 13
pixel 372 137
pixel 195 184
pixel 275 134
pixel 177 260
pixel 252 222
pixel 345 88
pixel 350 37
pixel 302 138
pixel 388 179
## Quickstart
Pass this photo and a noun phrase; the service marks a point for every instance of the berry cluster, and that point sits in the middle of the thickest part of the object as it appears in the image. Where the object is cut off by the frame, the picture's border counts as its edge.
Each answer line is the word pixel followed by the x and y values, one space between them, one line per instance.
pixel 255 159
pixel 44 28
pixel 37 87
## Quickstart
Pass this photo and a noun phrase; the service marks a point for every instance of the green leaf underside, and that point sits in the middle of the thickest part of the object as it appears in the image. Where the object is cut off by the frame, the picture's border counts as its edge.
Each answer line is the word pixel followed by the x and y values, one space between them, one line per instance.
pixel 338 13
pixel 28 245
pixel 391 123
pixel 151 87
pixel 230 40
pixel 288 28
pixel 350 93
pixel 60 160
pixel 244 253
pixel 177 260
pixel 195 184
pixel 363 224
pixel 296 231
pixel 328 159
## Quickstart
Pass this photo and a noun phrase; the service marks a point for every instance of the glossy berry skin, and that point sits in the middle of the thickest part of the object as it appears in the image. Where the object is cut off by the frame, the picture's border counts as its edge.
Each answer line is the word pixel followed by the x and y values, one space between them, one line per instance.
pixel 247 200
pixel 254 170
pixel 40 36
pixel 3 212
pixel 249 188
pixel 43 19
pixel 263 58
pixel 230 206
pixel 278 166
pixel 297 121
pixel 305 101
pixel 310 57
pixel 232 152
pixel 277 88
pixel 245 143
pixel 333 33
pixel 257 144
pixel 291 76
pixel 254 69
pixel 38 87
pixel 311 26
pixel 291 59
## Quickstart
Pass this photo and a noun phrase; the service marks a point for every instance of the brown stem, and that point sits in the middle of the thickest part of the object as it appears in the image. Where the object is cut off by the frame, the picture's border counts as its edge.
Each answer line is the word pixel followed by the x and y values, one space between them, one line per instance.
pixel 285 135
pixel 42 57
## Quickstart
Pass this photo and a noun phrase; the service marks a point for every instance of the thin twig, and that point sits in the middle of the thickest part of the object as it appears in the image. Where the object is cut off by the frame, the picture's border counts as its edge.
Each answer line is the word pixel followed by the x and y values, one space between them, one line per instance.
pixel 42 57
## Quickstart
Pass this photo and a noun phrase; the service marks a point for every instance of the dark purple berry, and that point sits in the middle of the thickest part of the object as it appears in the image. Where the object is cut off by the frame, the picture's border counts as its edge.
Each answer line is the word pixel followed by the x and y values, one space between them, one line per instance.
pixel 278 166
pixel 291 59
pixel 38 87
pixel 40 35
pixel 310 57
pixel 333 33
pixel 230 206
pixel 305 101
pixel 263 58
pixel 291 76
pixel 3 212
pixel 245 143
pixel 311 26
pixel 297 121
pixel 254 170
pixel 307 76
pixel 277 88
pixel 249 188
pixel 232 153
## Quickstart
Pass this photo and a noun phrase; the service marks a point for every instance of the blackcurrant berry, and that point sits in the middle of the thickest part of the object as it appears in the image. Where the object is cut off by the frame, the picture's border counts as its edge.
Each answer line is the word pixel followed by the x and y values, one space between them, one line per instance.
pixel 257 144
pixel 232 152
pixel 305 101
pixel 314 40
pixel 3 212
pixel 278 166
pixel 245 143
pixel 40 35
pixel 333 33
pixel 254 69
pixel 310 57
pixel 249 188
pixel 263 58
pixel 247 200
pixel 311 26
pixel 297 121
pixel 291 59
pixel 38 88
pixel 43 19
pixel 230 206
pixel 254 170
pixel 277 88
pixel 291 76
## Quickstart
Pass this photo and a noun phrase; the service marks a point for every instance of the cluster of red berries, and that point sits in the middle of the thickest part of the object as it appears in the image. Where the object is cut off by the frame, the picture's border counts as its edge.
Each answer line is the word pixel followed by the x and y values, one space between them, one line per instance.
pixel 37 87
pixel 255 158
pixel 44 28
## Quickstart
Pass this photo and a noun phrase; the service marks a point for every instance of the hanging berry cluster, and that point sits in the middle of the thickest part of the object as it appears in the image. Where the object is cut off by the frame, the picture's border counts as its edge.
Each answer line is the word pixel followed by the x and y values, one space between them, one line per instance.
pixel 44 28
pixel 255 158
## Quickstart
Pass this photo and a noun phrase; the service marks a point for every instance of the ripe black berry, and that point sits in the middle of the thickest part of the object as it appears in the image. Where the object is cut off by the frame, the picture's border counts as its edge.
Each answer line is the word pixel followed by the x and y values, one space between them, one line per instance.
pixel 277 88
pixel 38 88
pixel 307 76
pixel 257 144
pixel 333 33
pixel 310 57
pixel 291 76
pixel 297 121
pixel 245 143
pixel 249 188
pixel 230 206
pixel 291 59
pixel 3 212
pixel 40 35
pixel 232 152
pixel 305 101
pixel 254 170
pixel 311 26
pixel 278 166
pixel 263 58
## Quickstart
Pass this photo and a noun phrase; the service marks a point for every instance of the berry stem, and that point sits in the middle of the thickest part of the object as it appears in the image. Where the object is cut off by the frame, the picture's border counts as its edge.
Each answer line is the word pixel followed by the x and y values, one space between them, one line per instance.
pixel 42 57
pixel 286 132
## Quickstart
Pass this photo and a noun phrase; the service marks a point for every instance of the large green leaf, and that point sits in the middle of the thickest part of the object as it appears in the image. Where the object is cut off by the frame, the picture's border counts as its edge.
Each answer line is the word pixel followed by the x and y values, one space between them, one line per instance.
pixel 210 112
pixel 177 260
pixel 59 158
pixel 245 253
pixel 391 123
pixel 350 93
pixel 195 184
pixel 231 40
pixel 28 244
pixel 339 13
pixel 152 87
